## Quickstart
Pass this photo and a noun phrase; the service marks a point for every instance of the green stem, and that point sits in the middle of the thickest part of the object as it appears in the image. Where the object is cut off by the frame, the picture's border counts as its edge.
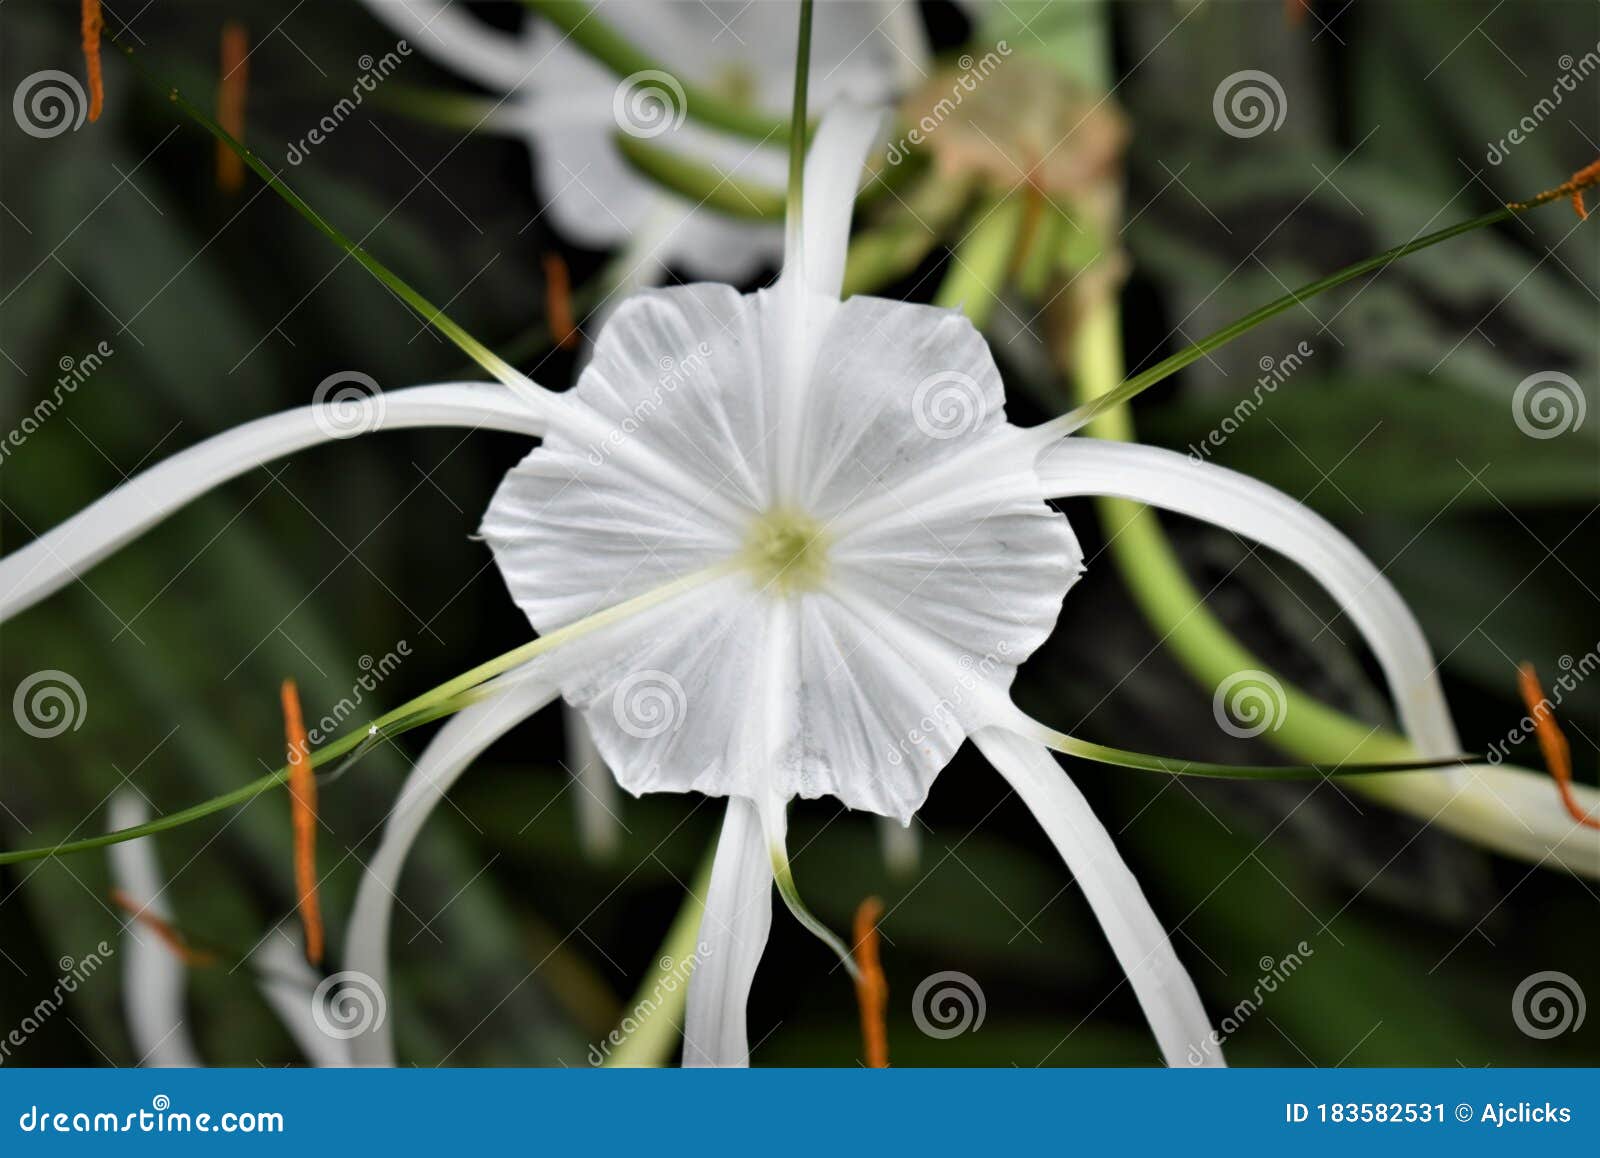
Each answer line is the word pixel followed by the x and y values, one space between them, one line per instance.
pixel 626 59
pixel 1309 730
pixel 1112 398
pixel 652 1043
pixel 699 183
pixel 797 134
pixel 980 263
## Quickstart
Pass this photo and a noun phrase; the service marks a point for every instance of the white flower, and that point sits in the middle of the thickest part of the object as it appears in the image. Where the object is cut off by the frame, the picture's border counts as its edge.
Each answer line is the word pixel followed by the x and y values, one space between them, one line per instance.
pixel 154 976
pixel 570 108
pixel 786 545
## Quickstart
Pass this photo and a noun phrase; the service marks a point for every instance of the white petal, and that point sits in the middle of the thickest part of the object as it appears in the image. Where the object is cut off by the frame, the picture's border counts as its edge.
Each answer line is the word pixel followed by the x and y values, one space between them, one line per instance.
pixel 153 976
pixel 1159 979
pixel 733 935
pixel 456 39
pixel 462 739
pixel 62 554
pixel 901 845
pixel 594 791
pixel 1162 478
pixel 289 985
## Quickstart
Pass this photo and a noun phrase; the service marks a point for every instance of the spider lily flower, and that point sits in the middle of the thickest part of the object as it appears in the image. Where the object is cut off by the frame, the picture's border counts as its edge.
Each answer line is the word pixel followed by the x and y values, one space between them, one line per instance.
pixel 810 569
pixel 570 108
pixel 155 975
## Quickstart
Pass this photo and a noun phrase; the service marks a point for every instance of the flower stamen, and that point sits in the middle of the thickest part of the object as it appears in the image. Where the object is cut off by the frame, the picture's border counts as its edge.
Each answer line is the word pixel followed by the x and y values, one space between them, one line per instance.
pixel 303 811
pixel 1552 742
pixel 787 549
pixel 234 76
pixel 872 989
pixel 1573 187
pixel 164 930
pixel 90 26
pixel 558 302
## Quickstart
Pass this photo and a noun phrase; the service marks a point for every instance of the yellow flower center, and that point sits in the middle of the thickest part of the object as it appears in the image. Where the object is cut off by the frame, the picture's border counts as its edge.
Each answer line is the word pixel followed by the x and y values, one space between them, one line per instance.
pixel 787 550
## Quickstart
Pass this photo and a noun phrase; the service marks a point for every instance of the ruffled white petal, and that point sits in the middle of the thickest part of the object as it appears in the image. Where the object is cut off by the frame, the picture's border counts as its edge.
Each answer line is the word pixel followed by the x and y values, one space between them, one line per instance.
pixel 1163 986
pixel 289 985
pixel 65 552
pixel 459 41
pixel 733 934
pixel 153 976
pixel 1174 482
pixel 462 739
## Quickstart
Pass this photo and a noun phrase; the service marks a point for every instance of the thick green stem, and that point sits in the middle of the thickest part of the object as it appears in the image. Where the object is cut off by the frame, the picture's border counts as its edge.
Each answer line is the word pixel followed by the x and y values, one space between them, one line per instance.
pixel 592 34
pixel 1309 729
pixel 980 263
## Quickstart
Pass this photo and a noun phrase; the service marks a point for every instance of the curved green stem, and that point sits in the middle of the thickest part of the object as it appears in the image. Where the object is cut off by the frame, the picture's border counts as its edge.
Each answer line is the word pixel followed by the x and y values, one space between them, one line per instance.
pixel 980 263
pixel 623 57
pixel 699 183
pixel 1309 729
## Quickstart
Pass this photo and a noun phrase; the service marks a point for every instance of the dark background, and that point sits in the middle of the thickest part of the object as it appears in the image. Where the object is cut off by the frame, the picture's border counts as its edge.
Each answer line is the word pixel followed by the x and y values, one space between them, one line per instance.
pixel 221 308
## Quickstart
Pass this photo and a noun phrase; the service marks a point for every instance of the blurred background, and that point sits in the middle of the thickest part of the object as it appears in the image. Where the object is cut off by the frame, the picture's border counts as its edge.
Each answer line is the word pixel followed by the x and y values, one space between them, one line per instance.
pixel 515 946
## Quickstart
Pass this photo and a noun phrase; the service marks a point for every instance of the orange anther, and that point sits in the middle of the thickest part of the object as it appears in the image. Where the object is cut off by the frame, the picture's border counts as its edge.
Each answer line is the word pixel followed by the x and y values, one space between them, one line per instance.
pixel 233 78
pixel 303 810
pixel 558 301
pixel 1552 743
pixel 872 990
pixel 1573 187
pixel 170 937
pixel 91 25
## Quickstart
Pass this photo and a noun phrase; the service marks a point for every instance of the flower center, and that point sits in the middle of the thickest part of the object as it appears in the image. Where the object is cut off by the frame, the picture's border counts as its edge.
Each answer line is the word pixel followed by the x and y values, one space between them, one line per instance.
pixel 787 550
